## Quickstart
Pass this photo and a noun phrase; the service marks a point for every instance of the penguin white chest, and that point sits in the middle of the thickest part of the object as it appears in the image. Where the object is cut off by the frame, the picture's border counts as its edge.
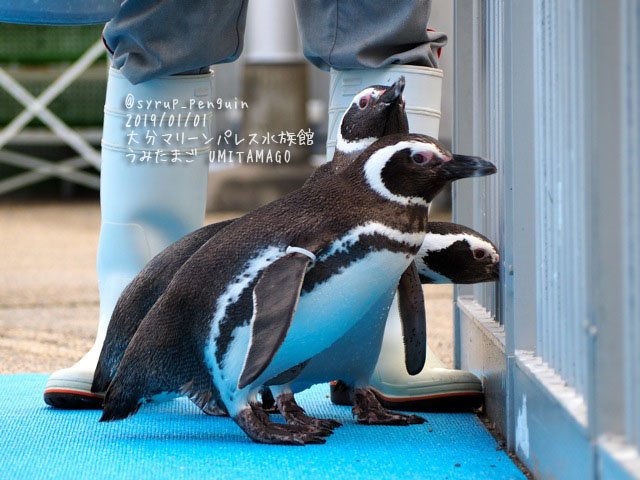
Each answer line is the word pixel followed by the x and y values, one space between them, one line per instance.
pixel 333 307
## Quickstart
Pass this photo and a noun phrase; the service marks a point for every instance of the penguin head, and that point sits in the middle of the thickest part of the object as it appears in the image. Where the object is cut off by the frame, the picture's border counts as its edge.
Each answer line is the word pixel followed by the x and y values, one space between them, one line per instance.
pixel 374 112
pixel 453 253
pixel 411 169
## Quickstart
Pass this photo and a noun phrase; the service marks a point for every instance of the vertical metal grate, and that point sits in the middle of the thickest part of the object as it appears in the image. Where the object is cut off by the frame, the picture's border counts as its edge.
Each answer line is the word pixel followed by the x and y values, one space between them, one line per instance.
pixel 560 185
pixel 554 86
pixel 487 205
pixel 631 218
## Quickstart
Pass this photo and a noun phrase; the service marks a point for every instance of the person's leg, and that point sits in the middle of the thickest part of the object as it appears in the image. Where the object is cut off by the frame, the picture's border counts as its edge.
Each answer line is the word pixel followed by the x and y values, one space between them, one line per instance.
pixel 367 35
pixel 149 201
pixel 152 38
pixel 369 43
pixel 365 43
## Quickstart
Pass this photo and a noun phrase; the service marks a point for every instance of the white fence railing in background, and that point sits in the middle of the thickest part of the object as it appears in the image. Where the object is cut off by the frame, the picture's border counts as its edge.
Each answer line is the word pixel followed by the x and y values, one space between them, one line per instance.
pixel 38 107
pixel 550 91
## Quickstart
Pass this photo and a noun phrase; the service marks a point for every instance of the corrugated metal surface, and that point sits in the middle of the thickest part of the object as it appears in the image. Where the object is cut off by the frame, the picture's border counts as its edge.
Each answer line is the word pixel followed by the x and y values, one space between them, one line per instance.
pixel 560 188
pixel 550 91
pixel 631 220
pixel 487 202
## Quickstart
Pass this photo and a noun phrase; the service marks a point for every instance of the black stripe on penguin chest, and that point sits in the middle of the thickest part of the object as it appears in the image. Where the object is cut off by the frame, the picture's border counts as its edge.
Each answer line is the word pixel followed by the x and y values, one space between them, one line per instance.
pixel 333 265
pixel 238 314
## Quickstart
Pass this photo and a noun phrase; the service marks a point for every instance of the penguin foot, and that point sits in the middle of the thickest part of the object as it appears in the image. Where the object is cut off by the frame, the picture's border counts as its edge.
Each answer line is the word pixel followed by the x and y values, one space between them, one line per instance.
pixel 369 411
pixel 256 424
pixel 294 414
pixel 213 409
pixel 301 428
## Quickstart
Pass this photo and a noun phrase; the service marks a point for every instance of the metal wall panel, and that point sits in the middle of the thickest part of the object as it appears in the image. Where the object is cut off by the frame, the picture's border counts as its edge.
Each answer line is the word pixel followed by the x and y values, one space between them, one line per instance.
pixel 560 188
pixel 486 205
pixel 631 217
pixel 550 91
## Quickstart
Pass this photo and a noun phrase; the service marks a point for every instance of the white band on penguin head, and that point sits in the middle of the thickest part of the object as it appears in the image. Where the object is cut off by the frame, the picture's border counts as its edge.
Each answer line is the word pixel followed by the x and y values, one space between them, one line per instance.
pixel 301 250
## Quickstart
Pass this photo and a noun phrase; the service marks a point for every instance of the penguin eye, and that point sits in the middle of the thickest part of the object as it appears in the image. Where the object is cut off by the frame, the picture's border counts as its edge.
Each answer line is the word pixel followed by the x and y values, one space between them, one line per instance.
pixel 420 158
pixel 479 254
pixel 364 101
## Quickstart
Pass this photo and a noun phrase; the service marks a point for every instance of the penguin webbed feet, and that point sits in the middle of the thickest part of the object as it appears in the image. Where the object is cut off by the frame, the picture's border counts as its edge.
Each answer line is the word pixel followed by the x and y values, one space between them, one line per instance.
pixel 294 414
pixel 256 424
pixel 369 411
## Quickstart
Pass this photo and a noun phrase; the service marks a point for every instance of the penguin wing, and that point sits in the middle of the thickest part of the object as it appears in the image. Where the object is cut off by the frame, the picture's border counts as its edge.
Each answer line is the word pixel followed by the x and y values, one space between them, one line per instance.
pixel 275 299
pixel 414 319
pixel 140 295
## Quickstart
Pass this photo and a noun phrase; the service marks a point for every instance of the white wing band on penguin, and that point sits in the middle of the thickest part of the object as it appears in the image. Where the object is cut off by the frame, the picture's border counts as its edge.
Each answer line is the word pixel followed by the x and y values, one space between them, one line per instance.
pixel 301 250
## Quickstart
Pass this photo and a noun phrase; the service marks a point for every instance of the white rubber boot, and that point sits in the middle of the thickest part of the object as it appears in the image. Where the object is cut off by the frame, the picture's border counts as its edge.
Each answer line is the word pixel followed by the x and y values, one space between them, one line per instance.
pixel 434 387
pixel 391 382
pixel 146 204
pixel 422 96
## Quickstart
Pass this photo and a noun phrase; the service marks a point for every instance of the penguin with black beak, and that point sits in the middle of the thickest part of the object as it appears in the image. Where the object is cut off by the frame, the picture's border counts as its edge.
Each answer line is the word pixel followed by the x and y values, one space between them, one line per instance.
pixel 377 110
pixel 287 281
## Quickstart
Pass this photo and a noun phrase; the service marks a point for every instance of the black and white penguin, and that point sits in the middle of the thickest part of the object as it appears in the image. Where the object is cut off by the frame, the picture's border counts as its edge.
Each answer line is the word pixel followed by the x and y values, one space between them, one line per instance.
pixel 377 110
pixel 286 281
pixel 374 112
pixel 450 253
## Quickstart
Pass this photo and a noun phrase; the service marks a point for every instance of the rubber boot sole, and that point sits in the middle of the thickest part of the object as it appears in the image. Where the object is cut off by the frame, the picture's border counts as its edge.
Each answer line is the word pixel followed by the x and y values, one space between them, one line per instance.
pixel 453 401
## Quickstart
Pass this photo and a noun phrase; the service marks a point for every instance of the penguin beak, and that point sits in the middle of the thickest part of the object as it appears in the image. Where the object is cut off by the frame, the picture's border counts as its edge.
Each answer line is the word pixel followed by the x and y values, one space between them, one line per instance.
pixel 495 271
pixel 464 166
pixel 393 93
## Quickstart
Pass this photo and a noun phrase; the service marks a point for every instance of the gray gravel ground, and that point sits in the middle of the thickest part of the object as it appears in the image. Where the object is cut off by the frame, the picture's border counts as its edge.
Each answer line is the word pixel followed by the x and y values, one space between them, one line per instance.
pixel 48 287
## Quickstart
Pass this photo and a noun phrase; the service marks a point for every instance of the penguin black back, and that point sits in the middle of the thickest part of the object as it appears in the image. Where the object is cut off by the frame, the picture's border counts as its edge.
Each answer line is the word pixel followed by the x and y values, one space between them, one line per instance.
pixel 135 302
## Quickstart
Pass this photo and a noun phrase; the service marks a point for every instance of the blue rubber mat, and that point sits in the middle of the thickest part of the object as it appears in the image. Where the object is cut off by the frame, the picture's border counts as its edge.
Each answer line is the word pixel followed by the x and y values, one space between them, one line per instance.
pixel 174 440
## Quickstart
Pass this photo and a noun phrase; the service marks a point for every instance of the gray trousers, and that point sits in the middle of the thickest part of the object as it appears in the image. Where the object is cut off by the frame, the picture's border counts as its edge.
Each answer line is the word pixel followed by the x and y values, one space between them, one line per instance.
pixel 152 38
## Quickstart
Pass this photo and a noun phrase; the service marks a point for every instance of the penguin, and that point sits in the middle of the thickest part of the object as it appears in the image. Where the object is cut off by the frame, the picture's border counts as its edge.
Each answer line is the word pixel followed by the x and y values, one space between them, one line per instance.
pixel 283 283
pixel 374 112
pixel 450 253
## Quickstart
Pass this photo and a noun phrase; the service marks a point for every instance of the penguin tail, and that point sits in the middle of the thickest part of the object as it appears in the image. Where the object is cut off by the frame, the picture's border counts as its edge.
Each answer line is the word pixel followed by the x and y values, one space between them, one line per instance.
pixel 134 303
pixel 128 390
pixel 120 404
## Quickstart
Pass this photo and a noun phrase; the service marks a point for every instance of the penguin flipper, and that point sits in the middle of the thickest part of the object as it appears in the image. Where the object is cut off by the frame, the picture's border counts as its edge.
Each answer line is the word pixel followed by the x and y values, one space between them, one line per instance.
pixel 140 295
pixel 414 319
pixel 275 299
